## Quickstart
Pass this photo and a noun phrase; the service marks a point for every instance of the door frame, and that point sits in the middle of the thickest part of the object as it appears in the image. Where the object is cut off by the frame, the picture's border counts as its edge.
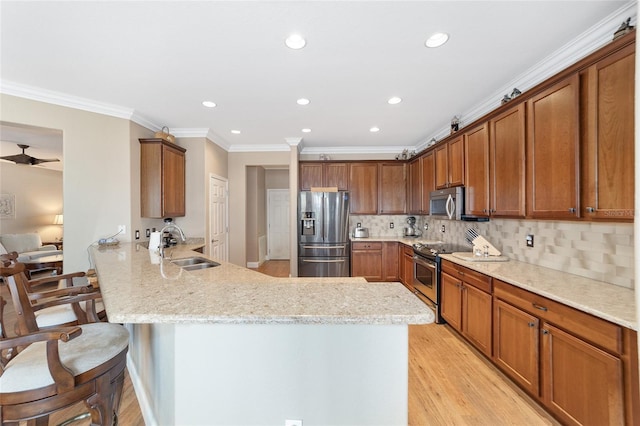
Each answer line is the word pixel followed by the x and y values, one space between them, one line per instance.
pixel 226 214
pixel 270 191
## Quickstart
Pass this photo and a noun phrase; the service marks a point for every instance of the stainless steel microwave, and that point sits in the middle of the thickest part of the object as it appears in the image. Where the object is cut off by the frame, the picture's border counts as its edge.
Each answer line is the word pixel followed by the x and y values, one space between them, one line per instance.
pixel 447 203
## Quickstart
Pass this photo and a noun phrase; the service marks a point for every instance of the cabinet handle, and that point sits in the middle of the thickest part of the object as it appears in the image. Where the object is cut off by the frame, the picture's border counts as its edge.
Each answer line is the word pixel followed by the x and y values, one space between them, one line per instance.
pixel 572 210
pixel 545 331
pixel 531 324
pixel 460 273
pixel 542 308
pixel 591 209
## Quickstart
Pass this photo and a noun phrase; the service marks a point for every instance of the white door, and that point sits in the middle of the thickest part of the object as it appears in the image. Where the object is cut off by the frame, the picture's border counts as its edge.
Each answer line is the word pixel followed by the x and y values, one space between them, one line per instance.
pixel 278 223
pixel 218 219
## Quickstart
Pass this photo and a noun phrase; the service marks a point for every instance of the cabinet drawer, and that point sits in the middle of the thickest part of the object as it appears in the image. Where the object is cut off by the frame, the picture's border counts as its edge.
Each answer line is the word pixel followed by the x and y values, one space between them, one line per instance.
pixel 360 245
pixel 602 333
pixel 469 276
pixel 407 250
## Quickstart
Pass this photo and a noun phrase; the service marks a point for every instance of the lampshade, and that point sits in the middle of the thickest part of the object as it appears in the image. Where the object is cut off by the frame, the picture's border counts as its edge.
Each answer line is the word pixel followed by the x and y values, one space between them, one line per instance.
pixel 58 220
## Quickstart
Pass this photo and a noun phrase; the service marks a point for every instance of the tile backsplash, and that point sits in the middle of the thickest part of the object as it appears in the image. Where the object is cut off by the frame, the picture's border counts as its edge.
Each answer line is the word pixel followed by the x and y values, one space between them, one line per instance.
pixel 601 251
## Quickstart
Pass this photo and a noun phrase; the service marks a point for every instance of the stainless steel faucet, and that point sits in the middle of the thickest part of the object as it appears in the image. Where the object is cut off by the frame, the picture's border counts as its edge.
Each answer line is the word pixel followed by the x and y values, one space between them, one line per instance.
pixel 166 228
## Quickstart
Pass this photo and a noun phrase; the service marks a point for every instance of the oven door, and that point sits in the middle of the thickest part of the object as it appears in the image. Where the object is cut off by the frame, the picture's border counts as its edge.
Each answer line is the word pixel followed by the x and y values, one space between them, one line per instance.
pixel 424 277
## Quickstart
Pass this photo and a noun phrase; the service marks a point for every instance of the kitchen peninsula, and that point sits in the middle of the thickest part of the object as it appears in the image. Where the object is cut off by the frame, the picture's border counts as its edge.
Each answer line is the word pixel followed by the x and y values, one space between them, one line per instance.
pixel 227 345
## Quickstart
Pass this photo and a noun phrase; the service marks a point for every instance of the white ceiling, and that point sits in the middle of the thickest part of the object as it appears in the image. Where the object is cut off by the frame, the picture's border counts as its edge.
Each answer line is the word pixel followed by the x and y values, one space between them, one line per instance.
pixel 160 60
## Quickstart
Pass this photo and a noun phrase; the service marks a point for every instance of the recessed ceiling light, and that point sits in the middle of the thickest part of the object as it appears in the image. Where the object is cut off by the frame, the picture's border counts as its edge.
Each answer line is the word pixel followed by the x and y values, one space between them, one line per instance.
pixel 394 100
pixel 295 41
pixel 306 130
pixel 235 132
pixel 437 39
pixel 374 129
pixel 303 101
pixel 209 104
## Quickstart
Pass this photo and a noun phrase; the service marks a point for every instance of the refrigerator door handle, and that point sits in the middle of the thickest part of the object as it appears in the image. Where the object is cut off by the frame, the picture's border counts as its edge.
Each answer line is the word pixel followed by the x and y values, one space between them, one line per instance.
pixel 325 247
pixel 324 261
pixel 325 219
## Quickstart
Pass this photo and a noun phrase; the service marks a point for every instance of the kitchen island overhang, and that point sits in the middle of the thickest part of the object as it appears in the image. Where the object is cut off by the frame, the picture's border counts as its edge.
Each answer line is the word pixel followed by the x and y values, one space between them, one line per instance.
pixel 227 345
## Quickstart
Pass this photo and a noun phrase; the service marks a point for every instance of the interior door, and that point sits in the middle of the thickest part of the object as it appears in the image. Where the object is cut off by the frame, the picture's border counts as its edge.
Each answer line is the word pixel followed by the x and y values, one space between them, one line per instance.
pixel 218 219
pixel 278 224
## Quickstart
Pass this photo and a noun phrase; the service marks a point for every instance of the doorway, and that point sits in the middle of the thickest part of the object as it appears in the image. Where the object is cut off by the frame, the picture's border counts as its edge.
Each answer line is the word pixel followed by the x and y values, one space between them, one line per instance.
pixel 218 218
pixel 278 224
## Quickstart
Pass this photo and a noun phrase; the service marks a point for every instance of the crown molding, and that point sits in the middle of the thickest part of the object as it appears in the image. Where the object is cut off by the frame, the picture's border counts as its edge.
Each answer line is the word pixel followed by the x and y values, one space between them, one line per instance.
pixel 260 148
pixel 580 47
pixel 355 149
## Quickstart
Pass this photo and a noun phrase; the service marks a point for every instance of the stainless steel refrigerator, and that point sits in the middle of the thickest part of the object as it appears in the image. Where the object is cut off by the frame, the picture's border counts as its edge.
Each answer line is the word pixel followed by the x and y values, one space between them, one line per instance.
pixel 323 234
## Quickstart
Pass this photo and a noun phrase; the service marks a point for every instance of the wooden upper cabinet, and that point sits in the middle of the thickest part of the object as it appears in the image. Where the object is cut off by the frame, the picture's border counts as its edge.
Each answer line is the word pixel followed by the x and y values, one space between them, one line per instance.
pixel 553 151
pixel 428 179
pixel 324 175
pixel 392 197
pixel 507 163
pixel 608 137
pixel 476 147
pixel 414 187
pixel 449 164
pixel 162 179
pixel 363 188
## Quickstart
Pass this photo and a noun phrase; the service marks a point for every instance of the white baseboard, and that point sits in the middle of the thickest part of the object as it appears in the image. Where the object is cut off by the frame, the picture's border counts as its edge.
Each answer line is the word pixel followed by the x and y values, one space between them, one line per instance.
pixel 143 398
pixel 253 265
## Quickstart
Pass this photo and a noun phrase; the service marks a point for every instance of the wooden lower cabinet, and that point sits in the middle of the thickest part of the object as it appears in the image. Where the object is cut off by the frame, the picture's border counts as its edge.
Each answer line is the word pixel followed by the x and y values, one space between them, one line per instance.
pixel 405 254
pixel 466 304
pixel 375 261
pixel 582 369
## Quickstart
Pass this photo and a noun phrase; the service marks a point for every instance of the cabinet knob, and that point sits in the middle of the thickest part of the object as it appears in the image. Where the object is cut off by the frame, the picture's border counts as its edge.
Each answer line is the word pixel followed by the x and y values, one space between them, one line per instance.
pixel 531 324
pixel 545 331
pixel 591 209
pixel 572 210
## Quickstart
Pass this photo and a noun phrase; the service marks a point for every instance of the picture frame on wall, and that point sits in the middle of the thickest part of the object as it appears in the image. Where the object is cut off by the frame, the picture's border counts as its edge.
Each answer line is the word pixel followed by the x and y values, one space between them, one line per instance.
pixel 7 206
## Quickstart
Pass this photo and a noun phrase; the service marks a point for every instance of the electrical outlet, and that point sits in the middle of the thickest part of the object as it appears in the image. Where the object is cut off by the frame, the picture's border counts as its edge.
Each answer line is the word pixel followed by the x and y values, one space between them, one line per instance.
pixel 442 229
pixel 147 233
pixel 137 234
pixel 122 229
pixel 426 226
pixel 292 422
pixel 529 239
pixel 359 225
pixel 391 225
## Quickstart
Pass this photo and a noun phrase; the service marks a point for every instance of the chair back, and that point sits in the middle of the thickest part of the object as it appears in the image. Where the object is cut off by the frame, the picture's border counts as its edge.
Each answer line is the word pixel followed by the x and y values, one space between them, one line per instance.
pixel 15 277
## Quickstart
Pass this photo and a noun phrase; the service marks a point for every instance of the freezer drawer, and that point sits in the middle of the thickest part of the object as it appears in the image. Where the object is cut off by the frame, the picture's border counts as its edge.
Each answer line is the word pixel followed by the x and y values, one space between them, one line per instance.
pixel 324 250
pixel 323 266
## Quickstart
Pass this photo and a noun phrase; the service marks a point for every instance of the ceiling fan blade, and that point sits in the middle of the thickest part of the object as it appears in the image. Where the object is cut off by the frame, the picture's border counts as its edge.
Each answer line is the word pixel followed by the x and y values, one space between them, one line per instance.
pixel 18 158
pixel 35 161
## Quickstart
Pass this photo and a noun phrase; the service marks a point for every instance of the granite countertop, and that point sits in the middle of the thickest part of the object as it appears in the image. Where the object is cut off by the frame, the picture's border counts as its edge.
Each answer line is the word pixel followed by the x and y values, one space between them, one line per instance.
pixel 603 300
pixel 138 287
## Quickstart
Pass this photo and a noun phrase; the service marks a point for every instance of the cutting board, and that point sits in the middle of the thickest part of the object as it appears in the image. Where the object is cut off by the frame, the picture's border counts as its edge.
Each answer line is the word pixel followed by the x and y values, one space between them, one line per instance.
pixel 469 257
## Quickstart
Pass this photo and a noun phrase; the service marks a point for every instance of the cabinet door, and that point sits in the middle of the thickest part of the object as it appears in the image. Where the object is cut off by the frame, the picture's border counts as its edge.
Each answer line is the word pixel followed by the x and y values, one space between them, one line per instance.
pixel 456 162
pixel 476 317
pixel 390 261
pixel 441 166
pixel 428 179
pixel 608 135
pixel 507 162
pixel 367 264
pixel 515 345
pixel 173 182
pixel 476 147
pixel 414 187
pixel 392 197
pixel 363 188
pixel 552 155
pixel 407 266
pixel 582 384
pixel 336 174
pixel 310 175
pixel 451 300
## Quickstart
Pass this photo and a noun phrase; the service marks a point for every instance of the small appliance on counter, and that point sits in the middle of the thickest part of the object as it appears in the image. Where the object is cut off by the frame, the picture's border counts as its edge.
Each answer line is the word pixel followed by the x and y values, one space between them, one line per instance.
pixel 410 230
pixel 361 233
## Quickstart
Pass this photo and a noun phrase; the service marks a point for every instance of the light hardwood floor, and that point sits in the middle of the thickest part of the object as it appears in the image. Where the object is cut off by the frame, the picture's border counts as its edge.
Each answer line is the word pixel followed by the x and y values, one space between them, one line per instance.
pixel 449 382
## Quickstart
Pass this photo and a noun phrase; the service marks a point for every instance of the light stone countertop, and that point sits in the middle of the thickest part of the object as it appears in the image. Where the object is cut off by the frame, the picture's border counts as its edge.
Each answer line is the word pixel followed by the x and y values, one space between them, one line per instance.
pixel 139 288
pixel 603 300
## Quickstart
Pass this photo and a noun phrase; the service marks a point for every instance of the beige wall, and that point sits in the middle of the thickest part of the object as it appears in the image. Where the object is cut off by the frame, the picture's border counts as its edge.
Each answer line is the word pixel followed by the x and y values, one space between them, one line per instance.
pixel 97 171
pixel 276 179
pixel 38 198
pixel 238 163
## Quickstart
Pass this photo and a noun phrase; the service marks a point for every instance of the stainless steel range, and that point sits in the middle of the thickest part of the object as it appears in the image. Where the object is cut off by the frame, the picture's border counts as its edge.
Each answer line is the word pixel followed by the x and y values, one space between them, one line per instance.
pixel 426 272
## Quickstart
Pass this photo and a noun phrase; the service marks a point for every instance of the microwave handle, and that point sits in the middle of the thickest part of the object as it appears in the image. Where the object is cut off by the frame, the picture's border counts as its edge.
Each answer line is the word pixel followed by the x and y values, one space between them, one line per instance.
pixel 450 207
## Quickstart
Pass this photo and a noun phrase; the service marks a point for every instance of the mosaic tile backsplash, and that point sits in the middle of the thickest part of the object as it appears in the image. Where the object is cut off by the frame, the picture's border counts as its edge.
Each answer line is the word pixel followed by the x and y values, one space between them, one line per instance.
pixel 601 251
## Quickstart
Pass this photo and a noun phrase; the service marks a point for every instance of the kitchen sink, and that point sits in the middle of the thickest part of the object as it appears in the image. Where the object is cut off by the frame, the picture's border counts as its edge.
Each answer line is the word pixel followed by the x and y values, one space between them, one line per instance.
pixel 195 263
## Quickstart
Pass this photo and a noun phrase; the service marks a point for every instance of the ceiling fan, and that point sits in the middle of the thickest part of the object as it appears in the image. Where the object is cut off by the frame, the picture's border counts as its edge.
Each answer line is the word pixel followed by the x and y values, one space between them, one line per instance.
pixel 27 159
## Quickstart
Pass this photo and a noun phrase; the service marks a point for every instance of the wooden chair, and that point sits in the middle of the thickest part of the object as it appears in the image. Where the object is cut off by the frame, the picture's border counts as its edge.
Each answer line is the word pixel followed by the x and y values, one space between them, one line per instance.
pixel 69 304
pixel 59 367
